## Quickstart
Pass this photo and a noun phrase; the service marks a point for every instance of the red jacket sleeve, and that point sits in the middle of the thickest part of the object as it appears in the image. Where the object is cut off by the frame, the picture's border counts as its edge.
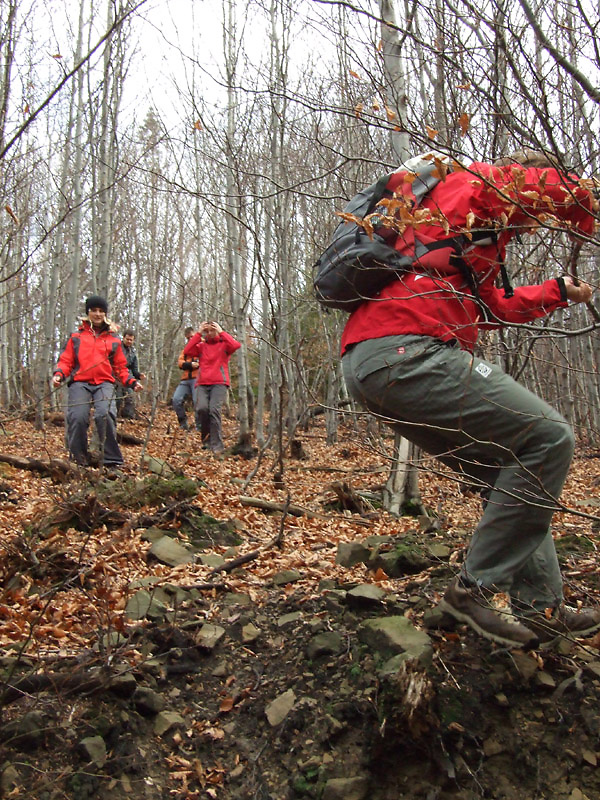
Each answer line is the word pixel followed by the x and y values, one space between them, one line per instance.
pixel 66 360
pixel 231 344
pixel 194 347
pixel 527 303
pixel 519 196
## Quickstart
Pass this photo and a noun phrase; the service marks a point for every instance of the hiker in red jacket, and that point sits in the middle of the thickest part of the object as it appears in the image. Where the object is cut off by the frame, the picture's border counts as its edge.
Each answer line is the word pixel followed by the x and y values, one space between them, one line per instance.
pixel 407 357
pixel 212 347
pixel 87 363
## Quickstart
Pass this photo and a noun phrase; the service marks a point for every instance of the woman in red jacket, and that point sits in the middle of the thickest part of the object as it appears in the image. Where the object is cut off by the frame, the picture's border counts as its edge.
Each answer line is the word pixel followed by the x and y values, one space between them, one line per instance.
pixel 212 347
pixel 89 361
pixel 407 357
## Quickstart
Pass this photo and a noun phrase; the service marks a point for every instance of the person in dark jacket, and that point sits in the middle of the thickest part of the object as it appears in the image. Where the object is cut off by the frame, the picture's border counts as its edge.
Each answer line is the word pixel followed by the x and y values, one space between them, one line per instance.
pixel 212 347
pixel 91 358
pixel 124 395
pixel 407 357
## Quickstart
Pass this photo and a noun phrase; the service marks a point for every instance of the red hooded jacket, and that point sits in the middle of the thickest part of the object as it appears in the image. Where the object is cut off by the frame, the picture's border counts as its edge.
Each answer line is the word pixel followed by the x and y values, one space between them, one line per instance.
pixel 213 355
pixel 91 357
pixel 434 298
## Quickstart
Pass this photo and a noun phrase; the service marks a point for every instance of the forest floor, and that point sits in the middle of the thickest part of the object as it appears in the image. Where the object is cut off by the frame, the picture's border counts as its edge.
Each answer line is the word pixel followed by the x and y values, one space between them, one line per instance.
pixel 165 637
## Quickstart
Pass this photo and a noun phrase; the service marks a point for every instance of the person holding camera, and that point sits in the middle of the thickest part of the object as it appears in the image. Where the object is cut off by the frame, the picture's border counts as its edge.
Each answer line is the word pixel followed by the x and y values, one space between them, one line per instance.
pixel 185 388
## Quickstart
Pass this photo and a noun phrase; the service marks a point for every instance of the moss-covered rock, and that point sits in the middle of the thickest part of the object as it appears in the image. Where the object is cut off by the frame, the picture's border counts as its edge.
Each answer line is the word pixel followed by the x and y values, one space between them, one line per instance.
pixel 151 490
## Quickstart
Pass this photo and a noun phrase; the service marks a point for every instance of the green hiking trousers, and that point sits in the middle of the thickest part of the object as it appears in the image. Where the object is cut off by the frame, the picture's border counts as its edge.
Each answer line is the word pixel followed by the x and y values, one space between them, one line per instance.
pixel 485 426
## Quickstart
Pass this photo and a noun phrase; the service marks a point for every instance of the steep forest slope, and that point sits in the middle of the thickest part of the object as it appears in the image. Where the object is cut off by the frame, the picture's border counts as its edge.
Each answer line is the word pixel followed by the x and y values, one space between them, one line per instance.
pixel 203 627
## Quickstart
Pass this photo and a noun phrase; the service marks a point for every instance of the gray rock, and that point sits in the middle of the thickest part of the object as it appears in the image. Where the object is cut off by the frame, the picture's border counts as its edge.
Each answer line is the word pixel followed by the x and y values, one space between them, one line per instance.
pixel 428 524
pixel 152 535
pixel 169 551
pixel 588 501
pixel 326 583
pixel 144 604
pixel 176 594
pixel 351 553
pixel 396 636
pixel 365 595
pixel 346 788
pixel 147 701
pixel 594 668
pixel 436 618
pixel 328 643
pixel 110 641
pixel 158 466
pixel 222 670
pixel 333 599
pixel 526 666
pixel 289 619
pixel 211 559
pixel 27 731
pixel 377 539
pixel 286 576
pixel 278 710
pixel 123 685
pixel 93 749
pixel 250 633
pixel 9 781
pixel 160 594
pixel 166 720
pixel 543 678
pixel 209 635
pixel 401 561
pixel 439 551
pixel 493 747
pixel 237 599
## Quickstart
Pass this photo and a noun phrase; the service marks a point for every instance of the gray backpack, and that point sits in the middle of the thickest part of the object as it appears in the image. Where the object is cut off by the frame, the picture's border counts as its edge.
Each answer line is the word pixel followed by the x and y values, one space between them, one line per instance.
pixel 356 266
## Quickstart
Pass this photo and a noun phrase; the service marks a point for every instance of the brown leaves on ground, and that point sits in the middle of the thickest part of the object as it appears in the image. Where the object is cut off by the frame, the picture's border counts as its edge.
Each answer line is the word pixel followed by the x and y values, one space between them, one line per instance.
pixel 60 589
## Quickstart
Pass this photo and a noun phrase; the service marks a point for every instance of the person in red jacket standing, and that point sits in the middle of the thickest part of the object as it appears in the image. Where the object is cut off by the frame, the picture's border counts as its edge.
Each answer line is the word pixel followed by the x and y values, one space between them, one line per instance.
pixel 212 347
pixel 407 357
pixel 89 359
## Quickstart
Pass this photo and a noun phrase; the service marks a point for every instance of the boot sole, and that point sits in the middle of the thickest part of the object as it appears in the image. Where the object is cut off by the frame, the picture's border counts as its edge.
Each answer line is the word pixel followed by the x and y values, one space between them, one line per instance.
pixel 498 638
pixel 570 636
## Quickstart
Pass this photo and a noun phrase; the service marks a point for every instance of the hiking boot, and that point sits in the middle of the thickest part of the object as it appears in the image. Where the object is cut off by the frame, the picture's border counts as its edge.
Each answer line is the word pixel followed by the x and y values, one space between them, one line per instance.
pixel 113 471
pixel 489 614
pixel 563 621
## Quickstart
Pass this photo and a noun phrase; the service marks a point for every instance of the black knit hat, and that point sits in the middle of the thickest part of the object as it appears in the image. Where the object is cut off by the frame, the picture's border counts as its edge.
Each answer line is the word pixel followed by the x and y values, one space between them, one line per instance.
pixel 95 301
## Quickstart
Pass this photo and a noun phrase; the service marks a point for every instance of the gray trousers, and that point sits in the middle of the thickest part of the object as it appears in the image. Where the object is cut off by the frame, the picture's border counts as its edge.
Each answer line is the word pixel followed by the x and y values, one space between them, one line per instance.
pixel 125 398
pixel 183 390
pixel 483 424
pixel 208 401
pixel 81 397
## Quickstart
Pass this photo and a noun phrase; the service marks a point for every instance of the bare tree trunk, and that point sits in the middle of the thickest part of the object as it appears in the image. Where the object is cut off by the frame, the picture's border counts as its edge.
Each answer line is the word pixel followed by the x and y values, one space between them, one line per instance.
pixel 395 81
pixel 112 87
pixel 8 14
pixel 235 244
pixel 403 483
pixel 402 487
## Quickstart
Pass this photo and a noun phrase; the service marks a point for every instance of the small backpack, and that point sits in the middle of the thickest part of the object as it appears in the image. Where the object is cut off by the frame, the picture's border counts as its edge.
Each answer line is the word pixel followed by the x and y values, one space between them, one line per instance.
pixel 359 262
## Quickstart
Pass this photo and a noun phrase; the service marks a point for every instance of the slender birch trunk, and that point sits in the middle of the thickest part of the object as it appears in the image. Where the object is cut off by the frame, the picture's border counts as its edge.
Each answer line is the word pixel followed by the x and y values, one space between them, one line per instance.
pixel 402 487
